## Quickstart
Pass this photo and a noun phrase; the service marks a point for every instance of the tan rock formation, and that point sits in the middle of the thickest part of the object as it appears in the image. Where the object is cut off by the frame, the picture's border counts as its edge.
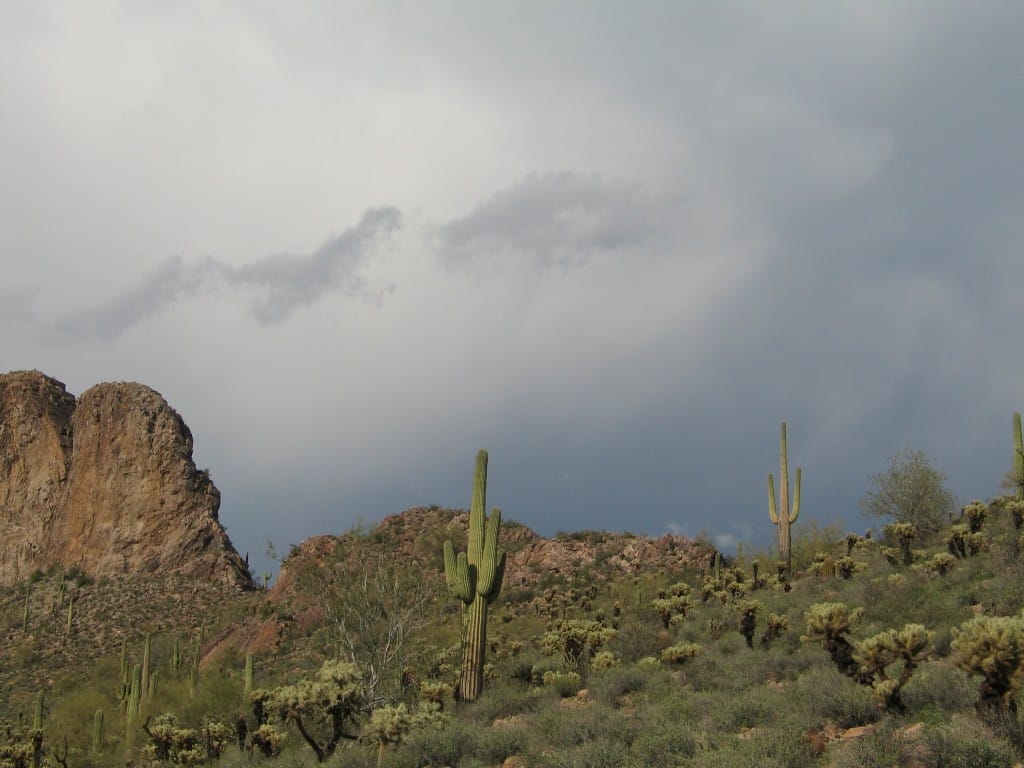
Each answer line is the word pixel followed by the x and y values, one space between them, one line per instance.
pixel 106 484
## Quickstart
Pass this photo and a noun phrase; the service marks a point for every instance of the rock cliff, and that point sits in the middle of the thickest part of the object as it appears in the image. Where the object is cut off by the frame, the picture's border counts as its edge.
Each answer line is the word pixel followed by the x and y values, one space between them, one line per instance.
pixel 105 483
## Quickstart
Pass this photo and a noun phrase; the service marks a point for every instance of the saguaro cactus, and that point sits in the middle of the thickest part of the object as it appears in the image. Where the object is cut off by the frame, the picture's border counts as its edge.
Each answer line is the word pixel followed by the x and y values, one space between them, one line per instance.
pixel 248 680
pixel 97 731
pixel 783 516
pixel 1018 457
pixel 474 577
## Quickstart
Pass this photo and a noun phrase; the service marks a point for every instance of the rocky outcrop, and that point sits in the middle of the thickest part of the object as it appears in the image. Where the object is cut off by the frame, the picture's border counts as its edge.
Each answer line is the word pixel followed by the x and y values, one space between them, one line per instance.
pixel 105 483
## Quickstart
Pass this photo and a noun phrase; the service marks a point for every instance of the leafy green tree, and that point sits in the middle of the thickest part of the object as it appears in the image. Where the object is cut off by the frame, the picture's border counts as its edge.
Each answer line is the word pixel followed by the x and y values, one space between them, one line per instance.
pixel 910 490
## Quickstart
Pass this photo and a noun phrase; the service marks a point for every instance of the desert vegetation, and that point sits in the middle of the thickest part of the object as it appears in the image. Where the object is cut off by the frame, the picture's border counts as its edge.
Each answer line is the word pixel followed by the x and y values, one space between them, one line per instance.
pixel 415 643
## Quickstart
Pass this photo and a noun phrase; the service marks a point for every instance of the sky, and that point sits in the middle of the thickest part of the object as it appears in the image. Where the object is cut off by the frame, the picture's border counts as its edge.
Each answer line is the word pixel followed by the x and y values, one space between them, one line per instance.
pixel 614 243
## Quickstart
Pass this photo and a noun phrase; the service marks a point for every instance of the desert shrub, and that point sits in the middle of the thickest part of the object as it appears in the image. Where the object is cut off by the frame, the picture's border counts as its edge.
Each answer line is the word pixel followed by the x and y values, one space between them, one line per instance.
pixel 495 745
pixel 561 728
pixel 637 640
pixel 450 745
pixel 887 747
pixel 610 686
pixel 810 538
pixel 745 710
pixel 961 744
pixel 762 748
pixel 664 743
pixel 939 686
pixel 566 683
pixel 600 753
pixel 823 693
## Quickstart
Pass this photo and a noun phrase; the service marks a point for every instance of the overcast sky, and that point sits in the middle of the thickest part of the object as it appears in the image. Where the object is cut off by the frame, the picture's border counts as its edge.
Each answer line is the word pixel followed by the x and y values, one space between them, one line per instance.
pixel 614 243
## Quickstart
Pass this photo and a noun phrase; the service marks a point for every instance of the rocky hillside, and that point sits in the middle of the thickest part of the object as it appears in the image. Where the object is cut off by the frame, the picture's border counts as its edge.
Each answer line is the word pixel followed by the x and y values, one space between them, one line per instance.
pixel 105 483
pixel 579 561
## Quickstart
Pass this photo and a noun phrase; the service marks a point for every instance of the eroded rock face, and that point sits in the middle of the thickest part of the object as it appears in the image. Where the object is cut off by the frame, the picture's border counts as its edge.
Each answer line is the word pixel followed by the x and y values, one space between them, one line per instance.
pixel 106 483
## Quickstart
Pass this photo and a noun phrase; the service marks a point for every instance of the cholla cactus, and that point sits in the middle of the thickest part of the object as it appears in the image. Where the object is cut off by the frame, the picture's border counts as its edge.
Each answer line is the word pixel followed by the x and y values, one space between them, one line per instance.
pixel 334 696
pixel 171 745
pixel 1016 510
pixel 828 624
pixel 910 646
pixel 577 640
pixel 956 540
pixel 993 647
pixel 775 625
pixel 392 724
pixel 216 736
pixel 941 563
pixel 675 603
pixel 976 542
pixel 846 566
pixel 903 534
pixel 851 542
pixel 748 610
pixel 436 692
pixel 604 660
pixel 975 514
pixel 680 653
pixel 268 740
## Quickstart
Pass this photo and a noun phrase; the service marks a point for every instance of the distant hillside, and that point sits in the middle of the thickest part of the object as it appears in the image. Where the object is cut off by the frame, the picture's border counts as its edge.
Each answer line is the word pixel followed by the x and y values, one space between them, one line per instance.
pixel 416 536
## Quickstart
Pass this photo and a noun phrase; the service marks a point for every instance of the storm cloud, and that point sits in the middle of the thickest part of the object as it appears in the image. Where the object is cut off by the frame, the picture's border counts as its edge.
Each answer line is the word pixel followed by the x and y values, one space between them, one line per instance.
pixel 621 243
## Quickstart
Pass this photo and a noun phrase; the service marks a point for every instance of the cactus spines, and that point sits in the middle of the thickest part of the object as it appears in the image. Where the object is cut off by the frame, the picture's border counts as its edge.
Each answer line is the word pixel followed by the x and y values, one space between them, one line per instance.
pixel 783 515
pixel 1018 458
pixel 475 577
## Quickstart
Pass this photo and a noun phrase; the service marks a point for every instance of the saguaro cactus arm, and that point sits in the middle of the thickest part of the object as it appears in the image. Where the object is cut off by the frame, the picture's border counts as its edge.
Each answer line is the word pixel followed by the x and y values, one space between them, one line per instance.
pixel 1018 457
pixel 795 512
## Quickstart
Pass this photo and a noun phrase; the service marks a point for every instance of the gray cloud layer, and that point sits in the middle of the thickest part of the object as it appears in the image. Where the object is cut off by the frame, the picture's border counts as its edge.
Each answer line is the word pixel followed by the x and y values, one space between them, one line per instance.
pixel 552 219
pixel 664 228
pixel 284 282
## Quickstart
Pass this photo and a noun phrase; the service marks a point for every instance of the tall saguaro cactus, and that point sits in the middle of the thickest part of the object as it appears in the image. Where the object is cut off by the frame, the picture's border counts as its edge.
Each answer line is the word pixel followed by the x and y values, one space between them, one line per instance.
pixel 783 516
pixel 474 577
pixel 1018 458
